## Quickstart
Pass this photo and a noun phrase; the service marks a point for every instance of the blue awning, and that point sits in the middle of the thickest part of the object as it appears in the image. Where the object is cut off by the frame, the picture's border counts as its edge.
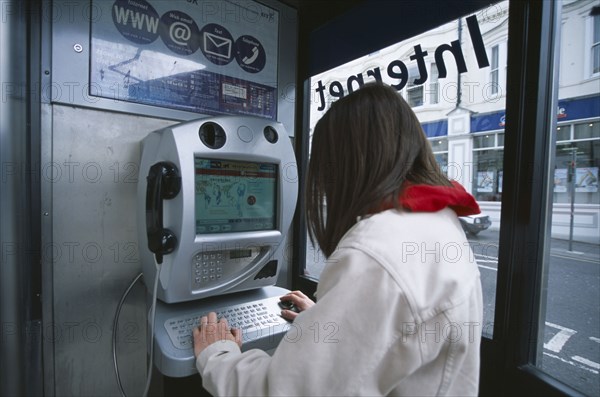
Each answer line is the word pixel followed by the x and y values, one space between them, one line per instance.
pixel 568 110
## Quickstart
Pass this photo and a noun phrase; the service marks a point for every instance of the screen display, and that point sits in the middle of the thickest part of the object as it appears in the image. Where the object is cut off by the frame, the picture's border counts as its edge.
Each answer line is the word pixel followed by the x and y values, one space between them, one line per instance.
pixel 234 196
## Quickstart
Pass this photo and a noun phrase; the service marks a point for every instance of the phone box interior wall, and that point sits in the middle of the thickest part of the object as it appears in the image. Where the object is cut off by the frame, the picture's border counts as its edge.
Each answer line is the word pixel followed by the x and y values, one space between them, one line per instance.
pixel 90 158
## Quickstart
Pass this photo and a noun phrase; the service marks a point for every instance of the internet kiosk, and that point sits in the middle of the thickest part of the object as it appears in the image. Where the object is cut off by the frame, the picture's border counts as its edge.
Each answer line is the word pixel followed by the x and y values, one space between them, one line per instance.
pixel 217 207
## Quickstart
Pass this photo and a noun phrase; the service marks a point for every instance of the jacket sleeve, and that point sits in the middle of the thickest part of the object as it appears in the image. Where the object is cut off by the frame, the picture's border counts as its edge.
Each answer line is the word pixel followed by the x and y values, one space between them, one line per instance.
pixel 226 371
pixel 346 344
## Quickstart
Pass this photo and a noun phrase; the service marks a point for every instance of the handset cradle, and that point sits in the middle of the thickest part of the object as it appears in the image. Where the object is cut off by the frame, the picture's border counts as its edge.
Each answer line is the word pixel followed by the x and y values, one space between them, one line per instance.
pixel 163 183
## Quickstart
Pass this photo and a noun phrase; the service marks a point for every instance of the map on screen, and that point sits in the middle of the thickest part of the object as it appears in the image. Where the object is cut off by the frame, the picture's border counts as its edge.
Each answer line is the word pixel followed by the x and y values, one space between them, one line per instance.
pixel 234 196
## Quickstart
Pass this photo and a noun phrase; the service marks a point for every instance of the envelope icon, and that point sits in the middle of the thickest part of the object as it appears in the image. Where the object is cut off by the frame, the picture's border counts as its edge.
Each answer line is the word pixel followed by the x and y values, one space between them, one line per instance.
pixel 217 45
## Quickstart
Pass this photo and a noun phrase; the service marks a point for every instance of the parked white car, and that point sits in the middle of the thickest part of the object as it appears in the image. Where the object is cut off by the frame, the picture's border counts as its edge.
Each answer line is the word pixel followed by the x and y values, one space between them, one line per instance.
pixel 473 224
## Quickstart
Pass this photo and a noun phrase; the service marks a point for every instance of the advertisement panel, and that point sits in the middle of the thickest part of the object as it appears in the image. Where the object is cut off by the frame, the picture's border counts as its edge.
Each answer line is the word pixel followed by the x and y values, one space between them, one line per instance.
pixel 212 57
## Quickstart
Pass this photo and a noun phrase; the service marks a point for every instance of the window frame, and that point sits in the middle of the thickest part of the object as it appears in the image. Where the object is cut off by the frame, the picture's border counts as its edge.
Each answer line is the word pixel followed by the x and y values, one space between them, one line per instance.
pixel 531 73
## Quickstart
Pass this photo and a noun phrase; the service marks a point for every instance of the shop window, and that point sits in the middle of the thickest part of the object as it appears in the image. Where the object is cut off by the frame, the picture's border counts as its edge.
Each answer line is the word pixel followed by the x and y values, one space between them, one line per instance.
pixel 439 145
pixel 442 160
pixel 563 133
pixel 587 130
pixel 487 166
pixel 484 141
pixel 576 172
pixel 440 151
pixel 488 174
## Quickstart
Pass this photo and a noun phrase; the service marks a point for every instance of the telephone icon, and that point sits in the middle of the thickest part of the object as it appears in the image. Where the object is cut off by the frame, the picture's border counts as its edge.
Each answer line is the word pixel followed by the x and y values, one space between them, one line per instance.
pixel 251 58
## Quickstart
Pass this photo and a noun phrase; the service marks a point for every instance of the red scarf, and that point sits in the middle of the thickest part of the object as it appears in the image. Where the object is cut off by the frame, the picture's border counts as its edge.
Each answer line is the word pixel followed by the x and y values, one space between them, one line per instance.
pixel 428 198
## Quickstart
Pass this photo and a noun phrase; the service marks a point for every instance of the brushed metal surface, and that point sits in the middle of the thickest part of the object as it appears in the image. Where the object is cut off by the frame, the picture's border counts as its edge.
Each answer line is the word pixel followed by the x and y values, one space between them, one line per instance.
pixel 93 175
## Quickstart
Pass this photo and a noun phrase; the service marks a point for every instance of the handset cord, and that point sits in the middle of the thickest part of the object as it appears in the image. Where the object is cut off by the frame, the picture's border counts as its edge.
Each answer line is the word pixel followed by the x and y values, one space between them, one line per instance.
pixel 115 328
pixel 152 316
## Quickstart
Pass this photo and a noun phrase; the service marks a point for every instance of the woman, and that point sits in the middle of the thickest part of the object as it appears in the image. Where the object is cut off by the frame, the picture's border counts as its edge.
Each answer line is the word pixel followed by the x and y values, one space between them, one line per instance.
pixel 399 306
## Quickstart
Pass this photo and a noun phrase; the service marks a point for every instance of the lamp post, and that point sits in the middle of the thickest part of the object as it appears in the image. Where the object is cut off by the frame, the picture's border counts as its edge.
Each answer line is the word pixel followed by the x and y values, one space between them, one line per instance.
pixel 572 168
pixel 571 177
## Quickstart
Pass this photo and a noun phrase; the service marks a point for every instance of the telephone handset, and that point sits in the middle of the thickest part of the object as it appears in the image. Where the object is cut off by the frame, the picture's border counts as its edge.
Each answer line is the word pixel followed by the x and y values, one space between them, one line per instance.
pixel 163 183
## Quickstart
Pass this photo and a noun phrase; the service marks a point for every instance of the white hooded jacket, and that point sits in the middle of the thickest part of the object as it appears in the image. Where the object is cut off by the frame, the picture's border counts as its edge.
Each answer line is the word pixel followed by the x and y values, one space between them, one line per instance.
pixel 399 312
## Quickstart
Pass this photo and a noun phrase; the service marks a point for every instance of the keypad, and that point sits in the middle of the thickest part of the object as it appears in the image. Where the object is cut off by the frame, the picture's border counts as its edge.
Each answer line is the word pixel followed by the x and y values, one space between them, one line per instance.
pixel 207 267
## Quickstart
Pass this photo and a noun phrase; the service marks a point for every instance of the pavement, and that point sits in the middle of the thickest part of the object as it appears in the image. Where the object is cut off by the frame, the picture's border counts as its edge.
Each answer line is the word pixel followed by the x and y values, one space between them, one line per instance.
pixel 579 250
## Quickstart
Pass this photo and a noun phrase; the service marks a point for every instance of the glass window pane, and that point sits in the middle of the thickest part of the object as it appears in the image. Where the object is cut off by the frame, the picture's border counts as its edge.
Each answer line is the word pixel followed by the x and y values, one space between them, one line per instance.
pixel 442 160
pixel 501 140
pixel 484 141
pixel 587 130
pixel 495 73
pixel 488 174
pixel 596 45
pixel 434 85
pixel 596 59
pixel 563 133
pixel 414 96
pixel 439 145
pixel 569 349
pixel 583 175
pixel 414 92
pixel 495 86
pixel 475 128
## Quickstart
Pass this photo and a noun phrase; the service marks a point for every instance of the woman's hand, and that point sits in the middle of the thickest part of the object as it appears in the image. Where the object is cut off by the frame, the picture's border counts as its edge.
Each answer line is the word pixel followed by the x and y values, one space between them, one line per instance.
pixel 211 331
pixel 301 301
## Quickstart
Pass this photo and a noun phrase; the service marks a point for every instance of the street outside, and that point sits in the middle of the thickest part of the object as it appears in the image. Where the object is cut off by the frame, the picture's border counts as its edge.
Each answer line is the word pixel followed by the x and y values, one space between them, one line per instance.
pixel 571 346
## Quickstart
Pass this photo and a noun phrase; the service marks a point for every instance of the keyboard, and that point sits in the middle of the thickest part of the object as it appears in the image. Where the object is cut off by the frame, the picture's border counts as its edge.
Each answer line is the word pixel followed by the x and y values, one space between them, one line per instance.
pixel 256 319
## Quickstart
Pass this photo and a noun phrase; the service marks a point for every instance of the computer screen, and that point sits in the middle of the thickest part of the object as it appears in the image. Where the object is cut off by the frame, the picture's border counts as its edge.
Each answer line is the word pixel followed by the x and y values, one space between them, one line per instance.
pixel 234 196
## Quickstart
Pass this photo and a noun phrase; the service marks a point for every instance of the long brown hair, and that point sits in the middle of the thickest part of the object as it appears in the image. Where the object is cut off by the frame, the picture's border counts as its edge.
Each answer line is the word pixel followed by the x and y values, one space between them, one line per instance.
pixel 363 150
